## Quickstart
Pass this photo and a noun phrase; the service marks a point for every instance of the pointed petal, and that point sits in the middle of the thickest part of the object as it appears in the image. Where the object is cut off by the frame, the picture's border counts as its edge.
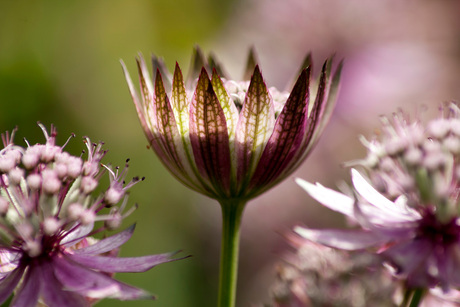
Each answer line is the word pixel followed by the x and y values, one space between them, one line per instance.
pixel 343 239
pixel 380 202
pixel 231 116
pixel 138 104
pixel 319 114
pixel 331 98
pixel 254 128
pixel 287 136
pixel 127 264
pixel 196 63
pixel 108 244
pixel 78 233
pixel 181 161
pixel 209 136
pixel 229 108
pixel 215 65
pixel 9 283
pixel 332 199
pixel 179 101
pixel 53 293
pixel 29 292
pixel 158 64
pixel 154 107
pixel 92 284
pixel 251 64
pixel 307 63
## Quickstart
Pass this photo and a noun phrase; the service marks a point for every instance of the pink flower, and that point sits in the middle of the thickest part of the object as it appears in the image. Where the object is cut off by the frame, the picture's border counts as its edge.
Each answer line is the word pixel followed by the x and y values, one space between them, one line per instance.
pixel 231 139
pixel 410 212
pixel 47 217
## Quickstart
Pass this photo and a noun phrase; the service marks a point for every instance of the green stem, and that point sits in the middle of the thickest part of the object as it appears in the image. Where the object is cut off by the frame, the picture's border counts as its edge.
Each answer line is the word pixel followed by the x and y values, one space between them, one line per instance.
pixel 232 211
pixel 417 297
pixel 413 297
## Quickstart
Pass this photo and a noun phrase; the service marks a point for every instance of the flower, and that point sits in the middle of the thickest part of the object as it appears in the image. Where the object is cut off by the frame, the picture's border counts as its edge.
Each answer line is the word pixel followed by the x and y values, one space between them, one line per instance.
pixel 230 139
pixel 316 275
pixel 410 212
pixel 47 215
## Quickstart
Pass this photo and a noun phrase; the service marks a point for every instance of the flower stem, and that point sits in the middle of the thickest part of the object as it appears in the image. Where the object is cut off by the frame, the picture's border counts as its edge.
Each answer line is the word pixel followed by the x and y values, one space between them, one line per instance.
pixel 417 297
pixel 232 211
pixel 413 297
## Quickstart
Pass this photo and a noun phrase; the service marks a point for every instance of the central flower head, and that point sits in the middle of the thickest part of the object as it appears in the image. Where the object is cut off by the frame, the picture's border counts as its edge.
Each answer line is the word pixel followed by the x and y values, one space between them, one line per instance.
pixel 230 139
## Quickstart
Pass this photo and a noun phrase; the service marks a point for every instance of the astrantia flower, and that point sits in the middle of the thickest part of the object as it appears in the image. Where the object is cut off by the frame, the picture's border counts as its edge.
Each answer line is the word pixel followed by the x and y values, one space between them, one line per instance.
pixel 316 275
pixel 410 213
pixel 47 216
pixel 231 139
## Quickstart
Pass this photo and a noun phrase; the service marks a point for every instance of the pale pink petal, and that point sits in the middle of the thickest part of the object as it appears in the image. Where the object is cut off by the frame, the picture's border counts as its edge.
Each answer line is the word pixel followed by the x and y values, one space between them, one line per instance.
pixel 342 239
pixel 332 199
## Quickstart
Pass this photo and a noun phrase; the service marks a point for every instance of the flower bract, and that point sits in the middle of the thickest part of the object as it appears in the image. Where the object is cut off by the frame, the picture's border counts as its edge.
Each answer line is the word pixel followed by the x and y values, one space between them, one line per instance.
pixel 231 139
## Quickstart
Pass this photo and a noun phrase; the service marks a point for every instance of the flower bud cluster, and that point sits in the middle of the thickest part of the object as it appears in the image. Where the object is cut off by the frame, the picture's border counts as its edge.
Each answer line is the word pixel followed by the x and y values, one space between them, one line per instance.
pixel 317 275
pixel 46 194
pixel 238 90
pixel 418 161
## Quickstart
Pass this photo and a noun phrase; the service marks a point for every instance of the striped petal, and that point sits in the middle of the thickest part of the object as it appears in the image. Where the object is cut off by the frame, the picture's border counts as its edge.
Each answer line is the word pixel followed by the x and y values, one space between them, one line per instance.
pixel 287 136
pixel 209 136
pixel 319 114
pixel 231 116
pixel 177 155
pixel 254 128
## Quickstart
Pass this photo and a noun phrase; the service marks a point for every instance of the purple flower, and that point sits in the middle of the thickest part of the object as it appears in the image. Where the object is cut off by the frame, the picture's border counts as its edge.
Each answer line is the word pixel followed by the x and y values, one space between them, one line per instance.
pixel 409 212
pixel 47 216
pixel 231 139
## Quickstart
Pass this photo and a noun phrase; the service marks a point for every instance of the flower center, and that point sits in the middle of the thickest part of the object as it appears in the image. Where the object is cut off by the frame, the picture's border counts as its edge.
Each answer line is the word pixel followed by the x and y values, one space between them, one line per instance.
pixel 437 232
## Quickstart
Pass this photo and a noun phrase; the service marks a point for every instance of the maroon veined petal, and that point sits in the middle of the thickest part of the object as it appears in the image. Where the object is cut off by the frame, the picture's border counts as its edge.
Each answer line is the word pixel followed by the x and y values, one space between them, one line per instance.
pixel 127 264
pixel 319 113
pixel 287 136
pixel 89 283
pixel 29 292
pixel 209 136
pixel 254 128
pixel 172 141
pixel 342 238
pixel 9 283
pixel 231 115
pixel 53 292
pixel 108 244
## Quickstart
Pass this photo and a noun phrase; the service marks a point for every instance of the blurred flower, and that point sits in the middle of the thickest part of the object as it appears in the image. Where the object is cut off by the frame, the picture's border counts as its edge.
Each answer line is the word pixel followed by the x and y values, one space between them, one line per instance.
pixel 410 212
pixel 317 275
pixel 46 217
pixel 231 139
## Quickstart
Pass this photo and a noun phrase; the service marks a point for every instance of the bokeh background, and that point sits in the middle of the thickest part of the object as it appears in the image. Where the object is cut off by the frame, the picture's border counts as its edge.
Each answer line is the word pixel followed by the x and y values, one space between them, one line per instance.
pixel 59 64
